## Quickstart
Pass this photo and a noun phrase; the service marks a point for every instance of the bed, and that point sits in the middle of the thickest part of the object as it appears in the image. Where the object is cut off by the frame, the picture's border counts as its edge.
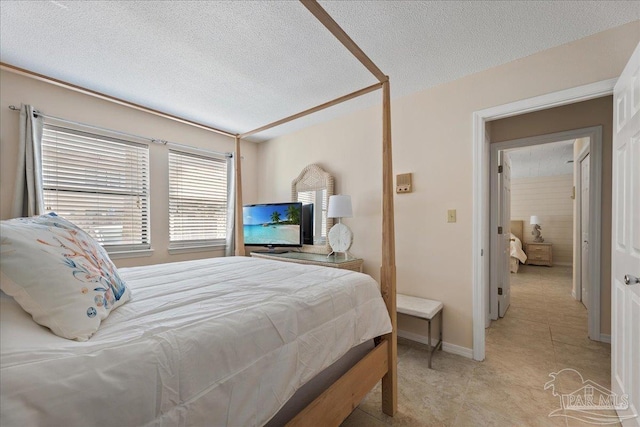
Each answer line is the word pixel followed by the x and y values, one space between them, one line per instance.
pixel 223 341
pixel 516 252
pixel 176 363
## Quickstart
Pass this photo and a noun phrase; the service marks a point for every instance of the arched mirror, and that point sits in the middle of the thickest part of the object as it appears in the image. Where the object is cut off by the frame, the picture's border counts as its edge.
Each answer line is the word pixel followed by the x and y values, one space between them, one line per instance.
pixel 313 186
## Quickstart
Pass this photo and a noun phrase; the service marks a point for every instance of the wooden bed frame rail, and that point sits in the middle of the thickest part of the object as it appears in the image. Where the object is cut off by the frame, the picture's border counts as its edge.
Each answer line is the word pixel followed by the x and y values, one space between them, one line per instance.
pixel 338 401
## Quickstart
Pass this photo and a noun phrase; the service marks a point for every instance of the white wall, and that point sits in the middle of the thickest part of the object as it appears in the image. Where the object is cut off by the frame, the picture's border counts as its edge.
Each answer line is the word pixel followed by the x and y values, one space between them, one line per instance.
pixel 56 101
pixel 549 198
pixel 432 137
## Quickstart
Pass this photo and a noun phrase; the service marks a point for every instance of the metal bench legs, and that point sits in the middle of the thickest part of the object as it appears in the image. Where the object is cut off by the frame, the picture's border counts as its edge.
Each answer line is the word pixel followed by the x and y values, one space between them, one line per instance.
pixel 433 348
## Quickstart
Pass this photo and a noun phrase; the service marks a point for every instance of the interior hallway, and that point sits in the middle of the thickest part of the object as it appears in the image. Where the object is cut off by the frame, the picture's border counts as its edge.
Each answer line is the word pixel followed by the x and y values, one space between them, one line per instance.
pixel 544 331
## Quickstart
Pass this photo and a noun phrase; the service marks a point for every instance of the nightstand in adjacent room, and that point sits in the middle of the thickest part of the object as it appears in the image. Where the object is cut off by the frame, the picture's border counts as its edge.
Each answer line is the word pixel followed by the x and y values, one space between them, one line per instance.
pixel 539 253
pixel 335 261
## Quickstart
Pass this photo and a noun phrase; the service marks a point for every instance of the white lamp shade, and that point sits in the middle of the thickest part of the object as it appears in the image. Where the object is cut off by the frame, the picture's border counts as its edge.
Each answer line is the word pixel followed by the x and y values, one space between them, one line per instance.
pixel 339 207
pixel 534 220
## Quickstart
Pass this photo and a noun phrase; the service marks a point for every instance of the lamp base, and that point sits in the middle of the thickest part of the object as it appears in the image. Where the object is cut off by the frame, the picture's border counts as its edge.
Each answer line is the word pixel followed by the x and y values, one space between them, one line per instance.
pixel 347 255
pixel 340 238
pixel 537 234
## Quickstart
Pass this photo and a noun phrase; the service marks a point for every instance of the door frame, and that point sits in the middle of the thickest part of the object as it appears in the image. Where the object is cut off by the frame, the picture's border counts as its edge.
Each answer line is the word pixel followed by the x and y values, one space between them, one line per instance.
pixel 577 223
pixel 594 133
pixel 481 187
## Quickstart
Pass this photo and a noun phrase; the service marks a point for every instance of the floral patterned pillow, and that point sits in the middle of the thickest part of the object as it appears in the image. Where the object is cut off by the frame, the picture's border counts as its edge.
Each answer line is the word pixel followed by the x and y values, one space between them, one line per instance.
pixel 59 274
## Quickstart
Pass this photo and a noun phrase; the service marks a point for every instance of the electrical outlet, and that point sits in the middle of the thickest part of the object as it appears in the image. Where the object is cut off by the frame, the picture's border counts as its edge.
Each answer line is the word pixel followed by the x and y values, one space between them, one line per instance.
pixel 451 215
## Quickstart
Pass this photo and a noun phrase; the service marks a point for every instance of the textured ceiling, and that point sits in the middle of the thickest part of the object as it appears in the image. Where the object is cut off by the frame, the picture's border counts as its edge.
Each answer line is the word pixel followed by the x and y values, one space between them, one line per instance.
pixel 542 160
pixel 238 65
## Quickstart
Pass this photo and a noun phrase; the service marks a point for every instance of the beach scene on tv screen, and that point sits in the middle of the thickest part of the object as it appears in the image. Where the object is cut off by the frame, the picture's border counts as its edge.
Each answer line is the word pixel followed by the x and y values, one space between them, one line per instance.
pixel 272 224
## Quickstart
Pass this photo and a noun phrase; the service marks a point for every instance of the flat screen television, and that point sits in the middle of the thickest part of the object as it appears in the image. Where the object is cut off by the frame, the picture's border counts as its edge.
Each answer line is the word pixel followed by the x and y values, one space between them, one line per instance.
pixel 273 225
pixel 307 224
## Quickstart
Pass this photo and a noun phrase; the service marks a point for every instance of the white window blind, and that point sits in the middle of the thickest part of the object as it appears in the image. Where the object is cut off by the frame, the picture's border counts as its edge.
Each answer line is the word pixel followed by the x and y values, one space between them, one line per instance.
pixel 319 200
pixel 197 200
pixel 100 184
pixel 307 197
pixel 323 215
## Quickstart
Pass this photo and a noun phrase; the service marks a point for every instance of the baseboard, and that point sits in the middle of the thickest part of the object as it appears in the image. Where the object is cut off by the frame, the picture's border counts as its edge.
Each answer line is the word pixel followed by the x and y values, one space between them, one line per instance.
pixel 563 264
pixel 449 348
pixel 605 338
pixel 457 349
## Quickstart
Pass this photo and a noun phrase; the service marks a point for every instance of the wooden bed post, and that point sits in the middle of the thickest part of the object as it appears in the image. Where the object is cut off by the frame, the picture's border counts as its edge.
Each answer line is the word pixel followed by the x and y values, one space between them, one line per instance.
pixel 388 269
pixel 239 237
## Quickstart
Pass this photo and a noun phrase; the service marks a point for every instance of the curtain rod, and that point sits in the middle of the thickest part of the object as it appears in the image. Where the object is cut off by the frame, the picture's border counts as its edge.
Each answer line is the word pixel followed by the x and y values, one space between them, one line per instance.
pixel 154 140
pixel 101 95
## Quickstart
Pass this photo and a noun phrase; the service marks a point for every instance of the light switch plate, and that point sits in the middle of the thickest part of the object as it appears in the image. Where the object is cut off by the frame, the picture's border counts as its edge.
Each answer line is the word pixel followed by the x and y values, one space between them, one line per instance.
pixel 451 215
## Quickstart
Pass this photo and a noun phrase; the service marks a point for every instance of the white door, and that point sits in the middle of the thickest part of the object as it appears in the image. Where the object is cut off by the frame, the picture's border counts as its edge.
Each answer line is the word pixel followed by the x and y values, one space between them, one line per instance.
pixel 625 262
pixel 491 313
pixel 495 273
pixel 584 229
pixel 504 182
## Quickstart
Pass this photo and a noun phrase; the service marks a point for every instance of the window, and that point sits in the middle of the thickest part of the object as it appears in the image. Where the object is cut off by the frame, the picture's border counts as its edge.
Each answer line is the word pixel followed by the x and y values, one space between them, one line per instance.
pixel 99 183
pixel 197 200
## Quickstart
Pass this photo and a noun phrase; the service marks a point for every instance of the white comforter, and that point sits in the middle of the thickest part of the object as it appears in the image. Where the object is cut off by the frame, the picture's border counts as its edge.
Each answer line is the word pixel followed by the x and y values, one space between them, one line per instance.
pixel 223 341
pixel 516 249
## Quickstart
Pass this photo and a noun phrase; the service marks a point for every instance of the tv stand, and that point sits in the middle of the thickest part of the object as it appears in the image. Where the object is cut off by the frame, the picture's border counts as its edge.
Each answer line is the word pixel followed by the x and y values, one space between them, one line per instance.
pixel 272 251
pixel 353 264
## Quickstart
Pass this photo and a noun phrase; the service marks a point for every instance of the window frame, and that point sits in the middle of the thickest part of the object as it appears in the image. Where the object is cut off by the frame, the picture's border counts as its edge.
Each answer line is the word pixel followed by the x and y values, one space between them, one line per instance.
pixel 197 245
pixel 118 250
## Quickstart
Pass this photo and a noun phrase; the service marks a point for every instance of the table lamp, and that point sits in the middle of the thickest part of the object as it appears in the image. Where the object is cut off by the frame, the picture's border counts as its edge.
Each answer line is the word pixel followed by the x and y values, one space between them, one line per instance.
pixel 340 235
pixel 537 230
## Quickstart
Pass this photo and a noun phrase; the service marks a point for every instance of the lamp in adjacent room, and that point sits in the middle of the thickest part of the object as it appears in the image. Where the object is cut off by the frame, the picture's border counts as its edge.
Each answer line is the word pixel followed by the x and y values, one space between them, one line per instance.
pixel 340 235
pixel 537 230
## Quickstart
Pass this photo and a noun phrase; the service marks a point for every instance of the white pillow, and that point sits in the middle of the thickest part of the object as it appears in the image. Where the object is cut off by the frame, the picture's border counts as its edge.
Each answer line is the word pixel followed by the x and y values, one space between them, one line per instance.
pixel 59 274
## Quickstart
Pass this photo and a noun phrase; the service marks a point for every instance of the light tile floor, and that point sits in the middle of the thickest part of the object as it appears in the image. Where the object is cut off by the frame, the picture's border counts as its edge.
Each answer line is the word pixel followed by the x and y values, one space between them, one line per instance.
pixel 544 331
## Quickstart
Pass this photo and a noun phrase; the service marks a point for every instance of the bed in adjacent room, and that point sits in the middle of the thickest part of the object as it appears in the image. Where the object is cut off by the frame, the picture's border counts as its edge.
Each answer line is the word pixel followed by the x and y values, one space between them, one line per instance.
pixel 516 252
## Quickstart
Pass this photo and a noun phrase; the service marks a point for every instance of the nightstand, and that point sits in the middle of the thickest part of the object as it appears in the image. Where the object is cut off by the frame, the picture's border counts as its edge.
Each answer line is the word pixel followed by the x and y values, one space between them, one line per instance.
pixel 334 261
pixel 539 253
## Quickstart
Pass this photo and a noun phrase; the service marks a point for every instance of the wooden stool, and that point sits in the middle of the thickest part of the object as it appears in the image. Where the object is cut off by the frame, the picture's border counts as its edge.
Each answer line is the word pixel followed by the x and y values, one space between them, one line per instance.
pixel 424 309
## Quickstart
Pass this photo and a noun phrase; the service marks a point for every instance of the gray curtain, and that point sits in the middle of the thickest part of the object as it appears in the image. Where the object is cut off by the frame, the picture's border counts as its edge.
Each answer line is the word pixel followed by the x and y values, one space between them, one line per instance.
pixel 231 200
pixel 28 197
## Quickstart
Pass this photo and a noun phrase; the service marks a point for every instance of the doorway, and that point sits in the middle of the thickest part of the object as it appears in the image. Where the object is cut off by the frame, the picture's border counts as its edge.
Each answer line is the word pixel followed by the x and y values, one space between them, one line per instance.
pixel 589 260
pixel 481 191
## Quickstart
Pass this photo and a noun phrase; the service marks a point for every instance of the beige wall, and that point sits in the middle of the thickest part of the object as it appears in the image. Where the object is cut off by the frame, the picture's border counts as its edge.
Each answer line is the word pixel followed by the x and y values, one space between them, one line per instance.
pixel 57 101
pixel 596 112
pixel 549 197
pixel 432 137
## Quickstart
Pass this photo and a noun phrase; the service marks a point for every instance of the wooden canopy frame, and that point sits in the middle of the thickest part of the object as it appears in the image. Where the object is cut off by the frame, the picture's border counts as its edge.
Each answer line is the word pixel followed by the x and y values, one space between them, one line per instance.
pixel 339 400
